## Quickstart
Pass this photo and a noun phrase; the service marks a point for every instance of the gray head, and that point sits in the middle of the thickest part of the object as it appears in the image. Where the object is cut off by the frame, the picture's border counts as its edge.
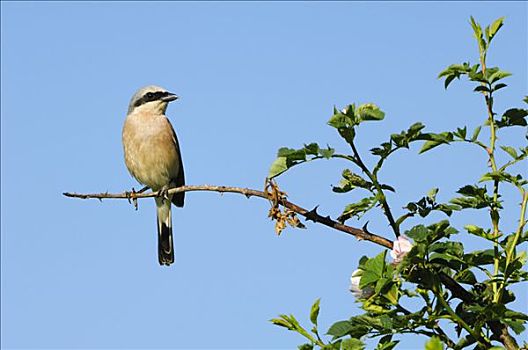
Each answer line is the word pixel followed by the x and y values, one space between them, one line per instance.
pixel 151 98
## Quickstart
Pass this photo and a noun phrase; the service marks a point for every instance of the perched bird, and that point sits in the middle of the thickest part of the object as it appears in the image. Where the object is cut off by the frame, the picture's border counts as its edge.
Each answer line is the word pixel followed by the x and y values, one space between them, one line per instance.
pixel 152 156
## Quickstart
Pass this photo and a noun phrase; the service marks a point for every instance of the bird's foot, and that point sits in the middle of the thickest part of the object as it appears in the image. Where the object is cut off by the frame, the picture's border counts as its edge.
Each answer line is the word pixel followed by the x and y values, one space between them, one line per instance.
pixel 132 199
pixel 164 193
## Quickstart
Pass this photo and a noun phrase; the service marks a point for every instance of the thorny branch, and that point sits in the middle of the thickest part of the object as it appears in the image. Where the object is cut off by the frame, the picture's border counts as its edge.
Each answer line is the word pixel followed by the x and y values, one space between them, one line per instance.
pixel 271 193
pixel 278 198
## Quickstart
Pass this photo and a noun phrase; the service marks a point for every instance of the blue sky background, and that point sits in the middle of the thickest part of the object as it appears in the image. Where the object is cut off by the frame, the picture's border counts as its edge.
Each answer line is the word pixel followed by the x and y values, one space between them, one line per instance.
pixel 252 77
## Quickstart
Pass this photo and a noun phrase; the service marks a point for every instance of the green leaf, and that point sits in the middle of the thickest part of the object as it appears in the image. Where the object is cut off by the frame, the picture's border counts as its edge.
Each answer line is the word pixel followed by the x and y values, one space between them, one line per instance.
pixel 306 346
pixel 498 75
pixel 357 209
pixel 513 117
pixel 370 111
pixel 283 321
pixel 494 28
pixel 340 328
pixel 312 148
pixel 480 232
pixel 436 140
pixel 279 166
pixel 327 153
pixel 510 150
pixel 292 154
pixel 382 151
pixel 466 276
pixel 352 344
pixel 477 31
pixel 314 312
pixel 481 88
pixel 434 344
pixel 476 133
pixel 499 86
pixel 418 233
pixel 372 270
pixel 351 181
pixel 454 71
pixel 474 197
pixel 392 295
pixel 480 257
pixel 386 342
pixel 516 325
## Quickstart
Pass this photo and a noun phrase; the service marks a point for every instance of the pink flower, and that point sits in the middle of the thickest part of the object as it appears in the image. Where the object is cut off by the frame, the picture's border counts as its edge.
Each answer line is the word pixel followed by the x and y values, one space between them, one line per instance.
pixel 400 248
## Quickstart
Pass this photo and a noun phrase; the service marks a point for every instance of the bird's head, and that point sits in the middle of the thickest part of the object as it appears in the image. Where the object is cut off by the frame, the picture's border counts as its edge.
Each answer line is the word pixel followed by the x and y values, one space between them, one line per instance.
pixel 151 99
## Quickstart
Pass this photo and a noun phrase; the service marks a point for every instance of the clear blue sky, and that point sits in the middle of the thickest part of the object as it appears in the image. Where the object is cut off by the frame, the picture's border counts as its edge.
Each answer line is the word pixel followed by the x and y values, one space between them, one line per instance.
pixel 252 77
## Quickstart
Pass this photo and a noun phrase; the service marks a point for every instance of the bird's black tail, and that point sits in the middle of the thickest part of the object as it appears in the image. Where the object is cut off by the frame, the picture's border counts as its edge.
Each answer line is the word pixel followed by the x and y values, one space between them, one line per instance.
pixel 165 243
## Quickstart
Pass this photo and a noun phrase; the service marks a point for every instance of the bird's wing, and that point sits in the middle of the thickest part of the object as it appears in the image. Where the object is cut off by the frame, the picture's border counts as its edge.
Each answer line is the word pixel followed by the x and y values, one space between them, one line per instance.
pixel 179 178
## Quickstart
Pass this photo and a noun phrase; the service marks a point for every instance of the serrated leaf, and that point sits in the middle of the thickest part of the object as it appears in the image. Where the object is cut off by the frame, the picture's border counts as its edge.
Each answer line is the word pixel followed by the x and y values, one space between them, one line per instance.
pixel 516 325
pixel 357 209
pixel 392 295
pixel 513 117
pixel 498 76
pixel 327 152
pixel 466 277
pixel 314 311
pixel 432 193
pixel 477 32
pixel 278 167
pixel 430 145
pixel 370 111
pixel 418 233
pixel 434 343
pixel 372 270
pixel 494 28
pixel 510 150
pixel 481 88
pixel 306 346
pixel 480 232
pixel 283 321
pixel 387 345
pixel 435 140
pixel 480 257
pixel 352 344
pixel 340 328
pixel 448 80
pixel 312 148
pixel 476 133
pixel 499 86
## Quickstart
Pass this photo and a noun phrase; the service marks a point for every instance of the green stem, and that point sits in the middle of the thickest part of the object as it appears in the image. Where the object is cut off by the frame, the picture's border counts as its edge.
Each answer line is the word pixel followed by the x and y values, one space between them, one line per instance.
pixel 454 317
pixel 379 190
pixel 494 210
pixel 494 213
pixel 510 253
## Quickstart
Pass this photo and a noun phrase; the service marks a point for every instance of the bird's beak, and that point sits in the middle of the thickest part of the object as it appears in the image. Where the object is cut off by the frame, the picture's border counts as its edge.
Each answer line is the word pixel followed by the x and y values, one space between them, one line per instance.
pixel 170 97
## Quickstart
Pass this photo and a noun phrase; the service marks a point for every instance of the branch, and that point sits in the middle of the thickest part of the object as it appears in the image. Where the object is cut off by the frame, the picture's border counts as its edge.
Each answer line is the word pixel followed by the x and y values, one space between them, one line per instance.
pixel 308 214
pixel 500 331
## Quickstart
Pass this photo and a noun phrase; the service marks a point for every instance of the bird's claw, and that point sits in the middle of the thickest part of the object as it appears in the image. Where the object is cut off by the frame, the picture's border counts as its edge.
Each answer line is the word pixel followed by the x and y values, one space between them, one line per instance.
pixel 132 198
pixel 164 193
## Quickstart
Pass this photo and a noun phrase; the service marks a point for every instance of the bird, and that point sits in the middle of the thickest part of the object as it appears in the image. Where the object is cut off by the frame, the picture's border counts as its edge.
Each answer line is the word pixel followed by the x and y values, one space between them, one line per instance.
pixel 152 156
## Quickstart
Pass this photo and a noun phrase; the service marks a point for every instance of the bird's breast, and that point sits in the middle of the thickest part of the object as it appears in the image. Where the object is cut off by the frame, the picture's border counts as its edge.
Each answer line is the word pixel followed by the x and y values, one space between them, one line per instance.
pixel 151 154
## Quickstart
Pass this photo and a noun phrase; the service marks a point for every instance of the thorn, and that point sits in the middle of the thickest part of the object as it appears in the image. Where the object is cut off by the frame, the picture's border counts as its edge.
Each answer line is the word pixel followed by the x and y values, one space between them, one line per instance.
pixel 312 214
pixel 365 228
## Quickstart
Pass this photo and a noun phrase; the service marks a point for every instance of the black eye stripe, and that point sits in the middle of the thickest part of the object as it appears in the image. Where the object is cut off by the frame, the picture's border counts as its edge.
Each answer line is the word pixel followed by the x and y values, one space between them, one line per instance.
pixel 151 96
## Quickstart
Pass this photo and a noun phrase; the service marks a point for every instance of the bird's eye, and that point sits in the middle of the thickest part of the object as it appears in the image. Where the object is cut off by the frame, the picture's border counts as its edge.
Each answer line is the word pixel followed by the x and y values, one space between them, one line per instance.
pixel 150 95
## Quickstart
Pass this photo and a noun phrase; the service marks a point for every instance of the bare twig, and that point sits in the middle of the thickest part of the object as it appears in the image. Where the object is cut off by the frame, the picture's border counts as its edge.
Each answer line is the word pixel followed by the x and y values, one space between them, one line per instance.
pixel 308 214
